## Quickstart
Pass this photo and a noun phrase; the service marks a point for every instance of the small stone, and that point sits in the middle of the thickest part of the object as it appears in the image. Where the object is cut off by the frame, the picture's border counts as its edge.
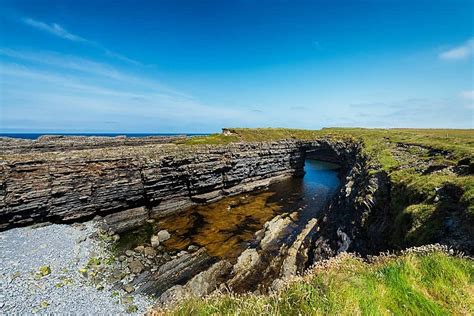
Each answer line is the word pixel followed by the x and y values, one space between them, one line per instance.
pixel 140 249
pixel 182 253
pixel 122 258
pixel 193 248
pixel 155 241
pixel 149 251
pixel 136 266
pixel 129 253
pixel 128 288
pixel 163 235
pixel 116 237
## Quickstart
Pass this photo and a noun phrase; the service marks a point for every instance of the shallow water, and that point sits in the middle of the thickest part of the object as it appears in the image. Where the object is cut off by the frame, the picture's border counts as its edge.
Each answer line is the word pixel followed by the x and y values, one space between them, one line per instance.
pixel 225 228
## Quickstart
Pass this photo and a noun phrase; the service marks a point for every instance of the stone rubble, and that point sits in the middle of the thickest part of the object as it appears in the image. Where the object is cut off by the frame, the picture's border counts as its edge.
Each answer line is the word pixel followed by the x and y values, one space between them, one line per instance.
pixel 42 272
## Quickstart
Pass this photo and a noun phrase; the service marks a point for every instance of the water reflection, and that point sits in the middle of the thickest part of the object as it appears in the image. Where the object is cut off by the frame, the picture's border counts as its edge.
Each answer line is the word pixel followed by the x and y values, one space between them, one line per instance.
pixel 225 227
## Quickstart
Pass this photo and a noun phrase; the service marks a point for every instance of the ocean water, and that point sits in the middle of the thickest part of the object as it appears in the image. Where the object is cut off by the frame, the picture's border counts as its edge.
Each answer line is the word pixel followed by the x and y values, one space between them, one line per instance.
pixel 36 135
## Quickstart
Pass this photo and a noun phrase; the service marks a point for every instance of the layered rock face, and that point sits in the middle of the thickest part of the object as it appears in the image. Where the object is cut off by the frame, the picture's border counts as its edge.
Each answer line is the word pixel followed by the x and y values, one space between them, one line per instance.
pixel 128 184
pixel 51 143
pixel 146 180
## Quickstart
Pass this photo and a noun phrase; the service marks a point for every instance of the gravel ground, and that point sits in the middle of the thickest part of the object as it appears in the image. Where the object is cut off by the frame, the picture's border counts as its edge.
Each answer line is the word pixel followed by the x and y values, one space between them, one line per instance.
pixel 64 249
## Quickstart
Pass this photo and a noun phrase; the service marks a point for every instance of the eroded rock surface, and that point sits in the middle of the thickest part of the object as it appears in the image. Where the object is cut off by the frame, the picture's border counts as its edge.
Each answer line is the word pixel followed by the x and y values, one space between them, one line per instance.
pixel 70 185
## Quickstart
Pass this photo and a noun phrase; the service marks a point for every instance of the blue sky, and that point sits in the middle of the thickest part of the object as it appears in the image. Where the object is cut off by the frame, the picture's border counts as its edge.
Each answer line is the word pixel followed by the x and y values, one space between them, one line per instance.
pixel 197 66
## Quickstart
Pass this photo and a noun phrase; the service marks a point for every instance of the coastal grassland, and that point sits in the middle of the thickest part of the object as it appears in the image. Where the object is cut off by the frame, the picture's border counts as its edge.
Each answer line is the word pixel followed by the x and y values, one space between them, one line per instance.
pixel 232 135
pixel 429 195
pixel 421 164
pixel 432 283
pixel 459 142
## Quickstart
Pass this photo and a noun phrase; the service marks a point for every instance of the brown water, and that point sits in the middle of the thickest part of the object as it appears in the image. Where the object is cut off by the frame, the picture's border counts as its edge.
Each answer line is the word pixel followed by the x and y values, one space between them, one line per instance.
pixel 226 227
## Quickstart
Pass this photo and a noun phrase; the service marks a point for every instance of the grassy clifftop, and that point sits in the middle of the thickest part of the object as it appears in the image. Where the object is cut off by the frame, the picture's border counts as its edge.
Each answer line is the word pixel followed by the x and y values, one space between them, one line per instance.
pixel 431 173
pixel 431 199
pixel 426 283
pixel 460 142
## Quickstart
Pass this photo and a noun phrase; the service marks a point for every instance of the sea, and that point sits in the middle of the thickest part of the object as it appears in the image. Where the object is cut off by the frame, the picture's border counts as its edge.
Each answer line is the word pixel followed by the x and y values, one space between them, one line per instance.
pixel 36 135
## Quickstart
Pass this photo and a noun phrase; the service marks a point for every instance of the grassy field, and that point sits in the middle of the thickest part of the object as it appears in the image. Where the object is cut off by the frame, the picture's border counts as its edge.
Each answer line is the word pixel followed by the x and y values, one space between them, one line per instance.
pixel 404 154
pixel 427 192
pixel 411 284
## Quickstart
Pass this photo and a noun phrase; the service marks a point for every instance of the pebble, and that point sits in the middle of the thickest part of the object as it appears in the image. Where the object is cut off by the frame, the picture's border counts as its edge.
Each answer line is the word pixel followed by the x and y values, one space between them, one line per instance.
pixel 193 248
pixel 149 251
pixel 23 292
pixel 129 288
pixel 155 241
pixel 163 235
pixel 136 266
pixel 139 249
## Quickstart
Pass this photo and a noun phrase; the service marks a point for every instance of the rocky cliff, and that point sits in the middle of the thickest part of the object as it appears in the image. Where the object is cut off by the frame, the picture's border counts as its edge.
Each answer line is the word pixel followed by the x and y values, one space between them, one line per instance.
pixel 129 183
pixel 151 180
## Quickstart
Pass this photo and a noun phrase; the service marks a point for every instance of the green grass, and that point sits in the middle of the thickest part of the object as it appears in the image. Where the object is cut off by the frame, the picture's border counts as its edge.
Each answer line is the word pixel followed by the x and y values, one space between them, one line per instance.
pixel 429 284
pixel 412 284
pixel 418 217
pixel 213 139
pixel 261 135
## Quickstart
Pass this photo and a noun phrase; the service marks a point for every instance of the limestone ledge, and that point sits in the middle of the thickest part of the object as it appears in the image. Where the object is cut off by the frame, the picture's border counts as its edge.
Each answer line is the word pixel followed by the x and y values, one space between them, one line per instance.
pixel 72 185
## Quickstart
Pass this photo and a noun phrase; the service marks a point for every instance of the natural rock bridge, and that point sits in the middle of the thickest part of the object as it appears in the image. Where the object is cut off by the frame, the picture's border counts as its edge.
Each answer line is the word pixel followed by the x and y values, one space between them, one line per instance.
pixel 131 183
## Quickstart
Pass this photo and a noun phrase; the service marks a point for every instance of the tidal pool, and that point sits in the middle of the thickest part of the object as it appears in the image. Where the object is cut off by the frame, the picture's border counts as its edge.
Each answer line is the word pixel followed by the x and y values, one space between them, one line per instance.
pixel 225 228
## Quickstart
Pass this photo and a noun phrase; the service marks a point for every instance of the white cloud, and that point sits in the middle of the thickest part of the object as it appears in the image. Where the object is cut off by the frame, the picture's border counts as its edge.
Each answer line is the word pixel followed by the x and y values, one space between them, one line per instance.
pixel 121 57
pixel 61 32
pixel 467 94
pixel 448 112
pixel 460 52
pixel 54 29
pixel 68 97
pixel 85 66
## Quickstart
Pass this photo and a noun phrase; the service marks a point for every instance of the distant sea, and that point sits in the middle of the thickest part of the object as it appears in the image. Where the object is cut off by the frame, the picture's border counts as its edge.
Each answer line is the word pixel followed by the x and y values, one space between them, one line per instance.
pixel 36 135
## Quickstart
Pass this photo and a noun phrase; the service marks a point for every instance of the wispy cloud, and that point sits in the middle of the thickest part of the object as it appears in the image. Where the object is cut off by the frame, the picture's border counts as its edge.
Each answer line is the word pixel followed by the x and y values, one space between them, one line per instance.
pixel 298 108
pixel 64 92
pixel 61 32
pixel 121 57
pixel 413 112
pixel 467 94
pixel 459 52
pixel 86 66
pixel 54 29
